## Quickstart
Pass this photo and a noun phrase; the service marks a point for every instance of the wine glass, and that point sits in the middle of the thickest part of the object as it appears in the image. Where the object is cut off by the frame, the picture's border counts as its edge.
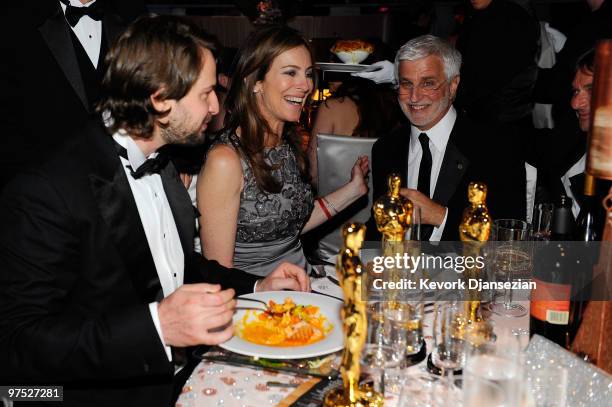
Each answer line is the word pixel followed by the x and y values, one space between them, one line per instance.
pixel 450 323
pixel 510 259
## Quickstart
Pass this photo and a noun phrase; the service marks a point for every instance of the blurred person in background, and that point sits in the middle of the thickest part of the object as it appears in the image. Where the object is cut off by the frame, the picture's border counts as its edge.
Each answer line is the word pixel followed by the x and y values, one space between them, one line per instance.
pixel 224 74
pixel 358 108
pixel 52 66
pixel 498 41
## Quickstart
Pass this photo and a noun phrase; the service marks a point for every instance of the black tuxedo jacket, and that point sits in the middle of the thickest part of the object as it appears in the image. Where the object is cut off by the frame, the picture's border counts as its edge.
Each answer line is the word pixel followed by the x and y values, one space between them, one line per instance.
pixel 44 94
pixel 76 277
pixel 473 153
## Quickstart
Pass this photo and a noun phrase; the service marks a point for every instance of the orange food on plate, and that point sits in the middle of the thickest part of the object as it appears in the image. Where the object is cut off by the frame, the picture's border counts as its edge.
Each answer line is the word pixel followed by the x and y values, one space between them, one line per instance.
pixel 285 324
pixel 352 45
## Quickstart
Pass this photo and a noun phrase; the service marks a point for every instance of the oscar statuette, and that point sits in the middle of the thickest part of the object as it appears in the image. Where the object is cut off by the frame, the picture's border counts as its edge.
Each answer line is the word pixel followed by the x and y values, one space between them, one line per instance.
pixel 474 231
pixel 351 275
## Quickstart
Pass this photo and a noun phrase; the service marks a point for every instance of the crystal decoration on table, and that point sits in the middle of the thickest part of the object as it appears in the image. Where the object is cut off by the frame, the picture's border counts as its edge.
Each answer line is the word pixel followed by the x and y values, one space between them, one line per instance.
pixel 474 231
pixel 351 273
pixel 587 385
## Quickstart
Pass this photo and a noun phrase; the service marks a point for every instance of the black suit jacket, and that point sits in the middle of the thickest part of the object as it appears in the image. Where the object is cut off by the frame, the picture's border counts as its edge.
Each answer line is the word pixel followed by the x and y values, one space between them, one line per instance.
pixel 473 153
pixel 44 96
pixel 76 275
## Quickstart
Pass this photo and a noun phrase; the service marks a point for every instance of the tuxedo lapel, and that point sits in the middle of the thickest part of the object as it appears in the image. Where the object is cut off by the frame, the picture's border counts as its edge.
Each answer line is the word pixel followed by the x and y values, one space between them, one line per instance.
pixel 397 157
pixel 454 166
pixel 180 204
pixel 112 26
pixel 54 32
pixel 117 206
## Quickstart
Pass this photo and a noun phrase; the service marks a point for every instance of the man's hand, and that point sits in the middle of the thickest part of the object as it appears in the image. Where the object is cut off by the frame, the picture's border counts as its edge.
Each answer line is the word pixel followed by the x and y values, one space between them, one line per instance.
pixel 286 276
pixel 187 315
pixel 384 75
pixel 432 213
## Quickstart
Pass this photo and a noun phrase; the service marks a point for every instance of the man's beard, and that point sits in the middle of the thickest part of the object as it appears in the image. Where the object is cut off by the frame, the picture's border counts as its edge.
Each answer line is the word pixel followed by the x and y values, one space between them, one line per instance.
pixel 177 133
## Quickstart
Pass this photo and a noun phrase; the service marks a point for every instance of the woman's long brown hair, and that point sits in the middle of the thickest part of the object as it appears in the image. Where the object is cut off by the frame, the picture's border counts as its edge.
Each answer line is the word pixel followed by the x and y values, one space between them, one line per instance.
pixel 254 60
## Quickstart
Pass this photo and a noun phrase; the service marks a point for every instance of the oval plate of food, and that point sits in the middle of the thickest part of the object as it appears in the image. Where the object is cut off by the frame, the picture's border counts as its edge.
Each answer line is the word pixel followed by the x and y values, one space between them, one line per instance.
pixel 296 325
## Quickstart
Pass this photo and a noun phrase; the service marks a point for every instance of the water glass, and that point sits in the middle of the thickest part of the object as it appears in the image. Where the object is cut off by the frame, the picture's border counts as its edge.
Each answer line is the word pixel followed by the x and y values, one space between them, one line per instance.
pixel 548 386
pixel 420 389
pixel 375 359
pixel 405 327
pixel 498 361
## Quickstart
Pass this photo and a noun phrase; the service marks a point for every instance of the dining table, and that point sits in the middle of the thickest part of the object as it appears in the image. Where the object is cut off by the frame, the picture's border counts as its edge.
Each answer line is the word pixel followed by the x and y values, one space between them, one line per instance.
pixel 218 383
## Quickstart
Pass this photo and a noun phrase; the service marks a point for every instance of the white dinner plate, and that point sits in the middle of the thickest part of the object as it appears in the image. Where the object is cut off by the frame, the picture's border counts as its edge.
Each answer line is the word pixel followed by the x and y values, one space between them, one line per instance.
pixel 339 67
pixel 329 307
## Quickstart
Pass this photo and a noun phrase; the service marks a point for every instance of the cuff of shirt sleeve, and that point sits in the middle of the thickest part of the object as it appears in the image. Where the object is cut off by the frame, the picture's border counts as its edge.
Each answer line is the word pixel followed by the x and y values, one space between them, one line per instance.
pixel 436 234
pixel 155 317
pixel 255 286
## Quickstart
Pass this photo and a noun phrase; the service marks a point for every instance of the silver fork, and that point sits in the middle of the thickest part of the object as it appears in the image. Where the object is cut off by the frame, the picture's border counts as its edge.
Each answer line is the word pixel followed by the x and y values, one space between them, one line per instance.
pixel 252 307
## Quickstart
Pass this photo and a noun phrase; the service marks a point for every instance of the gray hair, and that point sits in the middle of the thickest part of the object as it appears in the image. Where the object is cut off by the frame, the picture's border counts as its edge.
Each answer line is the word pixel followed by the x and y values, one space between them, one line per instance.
pixel 426 45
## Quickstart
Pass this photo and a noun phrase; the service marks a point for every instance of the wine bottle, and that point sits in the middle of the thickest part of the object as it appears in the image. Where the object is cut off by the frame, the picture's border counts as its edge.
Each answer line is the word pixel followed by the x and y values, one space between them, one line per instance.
pixel 586 223
pixel 554 264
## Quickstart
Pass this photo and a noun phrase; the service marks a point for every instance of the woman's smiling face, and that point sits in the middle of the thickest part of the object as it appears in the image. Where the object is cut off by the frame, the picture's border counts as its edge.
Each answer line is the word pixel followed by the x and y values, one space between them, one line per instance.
pixel 283 91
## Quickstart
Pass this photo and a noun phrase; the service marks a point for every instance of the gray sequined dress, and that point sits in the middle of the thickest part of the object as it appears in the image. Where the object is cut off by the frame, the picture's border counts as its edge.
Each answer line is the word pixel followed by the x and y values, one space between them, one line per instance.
pixel 269 224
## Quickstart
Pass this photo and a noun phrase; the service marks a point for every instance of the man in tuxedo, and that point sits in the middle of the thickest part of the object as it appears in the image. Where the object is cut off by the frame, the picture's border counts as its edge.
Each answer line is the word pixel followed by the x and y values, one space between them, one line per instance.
pixel 53 62
pixel 562 173
pixel 98 277
pixel 441 151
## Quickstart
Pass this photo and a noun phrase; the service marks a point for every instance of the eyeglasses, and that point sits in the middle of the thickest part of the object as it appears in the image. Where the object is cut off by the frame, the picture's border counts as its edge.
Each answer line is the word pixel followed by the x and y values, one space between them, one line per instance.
pixel 427 87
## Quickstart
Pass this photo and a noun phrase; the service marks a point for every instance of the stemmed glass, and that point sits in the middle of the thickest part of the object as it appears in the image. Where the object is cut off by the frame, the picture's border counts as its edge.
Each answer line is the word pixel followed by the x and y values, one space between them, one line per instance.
pixel 510 258
pixel 450 323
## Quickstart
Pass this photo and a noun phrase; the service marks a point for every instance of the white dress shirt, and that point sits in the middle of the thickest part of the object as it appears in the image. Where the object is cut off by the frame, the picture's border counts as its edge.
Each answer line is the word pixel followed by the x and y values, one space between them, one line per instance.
pixel 577 168
pixel 88 31
pixel 438 139
pixel 158 223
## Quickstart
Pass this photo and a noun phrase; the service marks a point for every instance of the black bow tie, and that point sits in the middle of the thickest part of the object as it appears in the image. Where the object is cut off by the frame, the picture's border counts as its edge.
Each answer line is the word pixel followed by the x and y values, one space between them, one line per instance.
pixel 150 166
pixel 74 14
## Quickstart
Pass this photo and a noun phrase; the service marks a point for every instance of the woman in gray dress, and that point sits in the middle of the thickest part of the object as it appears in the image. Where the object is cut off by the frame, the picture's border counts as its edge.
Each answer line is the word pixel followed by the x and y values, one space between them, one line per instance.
pixel 253 190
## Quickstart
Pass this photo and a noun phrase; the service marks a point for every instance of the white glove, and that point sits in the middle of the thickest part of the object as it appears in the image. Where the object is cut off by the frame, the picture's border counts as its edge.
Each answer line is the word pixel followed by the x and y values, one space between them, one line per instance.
pixel 384 75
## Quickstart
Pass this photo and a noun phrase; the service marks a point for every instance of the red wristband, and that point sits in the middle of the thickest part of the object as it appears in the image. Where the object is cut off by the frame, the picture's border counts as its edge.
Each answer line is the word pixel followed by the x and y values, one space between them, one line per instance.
pixel 324 208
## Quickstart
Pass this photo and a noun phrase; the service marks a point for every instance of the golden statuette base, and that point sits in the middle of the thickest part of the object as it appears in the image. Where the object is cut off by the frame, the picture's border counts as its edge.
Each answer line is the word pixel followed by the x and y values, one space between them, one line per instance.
pixel 366 397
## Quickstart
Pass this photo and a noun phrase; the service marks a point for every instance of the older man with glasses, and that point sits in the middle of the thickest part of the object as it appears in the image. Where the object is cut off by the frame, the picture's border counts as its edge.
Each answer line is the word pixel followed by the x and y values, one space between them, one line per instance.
pixel 440 151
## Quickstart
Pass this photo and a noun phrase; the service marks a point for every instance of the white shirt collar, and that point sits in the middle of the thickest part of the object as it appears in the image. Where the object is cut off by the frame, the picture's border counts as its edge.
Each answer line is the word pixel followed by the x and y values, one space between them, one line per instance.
pixel 135 155
pixel 439 133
